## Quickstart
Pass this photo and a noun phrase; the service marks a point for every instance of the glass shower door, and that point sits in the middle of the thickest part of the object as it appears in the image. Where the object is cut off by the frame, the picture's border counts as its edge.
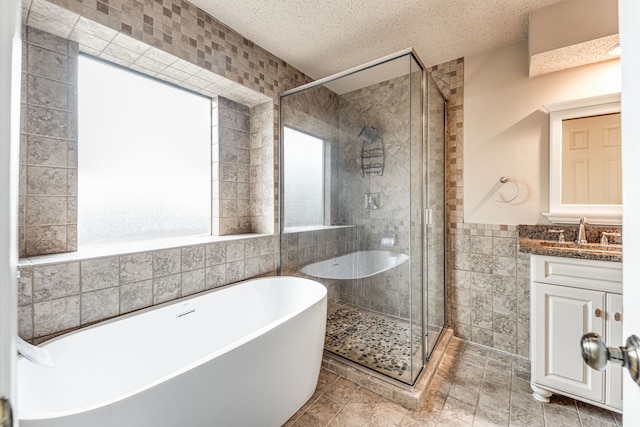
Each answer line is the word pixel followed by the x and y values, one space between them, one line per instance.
pixel 368 245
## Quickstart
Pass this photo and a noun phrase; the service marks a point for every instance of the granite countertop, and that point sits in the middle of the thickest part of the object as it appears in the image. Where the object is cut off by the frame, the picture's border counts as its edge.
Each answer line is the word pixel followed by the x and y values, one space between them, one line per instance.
pixel 536 239
pixel 591 251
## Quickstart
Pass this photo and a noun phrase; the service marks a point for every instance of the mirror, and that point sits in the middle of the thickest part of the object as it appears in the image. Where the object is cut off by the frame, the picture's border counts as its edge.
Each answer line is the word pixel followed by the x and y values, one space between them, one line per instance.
pixel 585 174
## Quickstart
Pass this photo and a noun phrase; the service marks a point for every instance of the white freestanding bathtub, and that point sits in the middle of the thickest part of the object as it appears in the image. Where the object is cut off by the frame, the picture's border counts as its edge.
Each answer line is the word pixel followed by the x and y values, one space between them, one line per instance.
pixel 245 355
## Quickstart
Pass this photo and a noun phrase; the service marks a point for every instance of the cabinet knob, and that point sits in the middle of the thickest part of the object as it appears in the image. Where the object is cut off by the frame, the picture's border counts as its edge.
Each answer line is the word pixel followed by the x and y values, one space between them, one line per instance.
pixel 596 354
pixel 598 312
pixel 617 317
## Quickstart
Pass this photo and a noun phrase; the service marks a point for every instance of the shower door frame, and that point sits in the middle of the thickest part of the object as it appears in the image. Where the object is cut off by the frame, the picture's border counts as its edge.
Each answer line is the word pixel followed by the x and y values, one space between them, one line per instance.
pixel 445 236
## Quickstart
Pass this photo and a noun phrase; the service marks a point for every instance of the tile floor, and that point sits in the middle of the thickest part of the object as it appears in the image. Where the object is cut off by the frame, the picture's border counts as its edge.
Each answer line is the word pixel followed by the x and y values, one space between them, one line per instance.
pixel 474 386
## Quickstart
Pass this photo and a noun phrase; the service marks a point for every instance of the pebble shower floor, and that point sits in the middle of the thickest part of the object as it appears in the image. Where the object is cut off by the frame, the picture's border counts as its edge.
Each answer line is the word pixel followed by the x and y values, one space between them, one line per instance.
pixel 376 341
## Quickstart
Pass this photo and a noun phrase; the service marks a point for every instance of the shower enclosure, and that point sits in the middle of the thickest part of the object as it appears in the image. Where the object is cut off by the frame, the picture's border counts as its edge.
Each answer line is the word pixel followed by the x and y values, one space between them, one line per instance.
pixel 362 209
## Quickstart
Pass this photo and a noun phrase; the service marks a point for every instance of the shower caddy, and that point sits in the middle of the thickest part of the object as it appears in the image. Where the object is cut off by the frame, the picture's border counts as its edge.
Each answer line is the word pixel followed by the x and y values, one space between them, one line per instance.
pixel 372 154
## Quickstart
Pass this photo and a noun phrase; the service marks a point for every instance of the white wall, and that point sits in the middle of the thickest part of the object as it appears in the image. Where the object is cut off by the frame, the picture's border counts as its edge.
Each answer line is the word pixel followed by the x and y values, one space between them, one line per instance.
pixel 506 132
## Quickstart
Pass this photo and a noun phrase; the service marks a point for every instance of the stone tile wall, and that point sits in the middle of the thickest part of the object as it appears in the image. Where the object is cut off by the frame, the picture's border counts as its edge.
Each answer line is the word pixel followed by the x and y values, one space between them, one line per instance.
pixel 174 28
pixel 244 177
pixel 489 287
pixel 176 42
pixel 233 169
pixel 263 170
pixel 48 145
pixel 488 279
pixel 48 198
pixel 59 296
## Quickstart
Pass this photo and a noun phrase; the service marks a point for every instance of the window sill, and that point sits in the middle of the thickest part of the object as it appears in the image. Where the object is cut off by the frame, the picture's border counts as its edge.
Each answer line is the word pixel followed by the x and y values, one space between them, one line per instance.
pixel 314 228
pixel 133 247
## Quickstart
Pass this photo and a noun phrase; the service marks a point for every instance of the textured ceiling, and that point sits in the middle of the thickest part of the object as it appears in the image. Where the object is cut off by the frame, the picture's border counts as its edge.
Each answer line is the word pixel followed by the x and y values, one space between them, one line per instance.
pixel 321 38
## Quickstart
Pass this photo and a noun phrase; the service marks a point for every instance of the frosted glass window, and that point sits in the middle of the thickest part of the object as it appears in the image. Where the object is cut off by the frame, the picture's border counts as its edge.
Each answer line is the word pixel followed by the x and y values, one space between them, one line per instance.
pixel 144 157
pixel 303 179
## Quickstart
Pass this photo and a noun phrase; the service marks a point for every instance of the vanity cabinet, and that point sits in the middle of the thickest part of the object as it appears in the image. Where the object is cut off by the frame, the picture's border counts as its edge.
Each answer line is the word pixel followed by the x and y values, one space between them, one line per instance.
pixel 570 297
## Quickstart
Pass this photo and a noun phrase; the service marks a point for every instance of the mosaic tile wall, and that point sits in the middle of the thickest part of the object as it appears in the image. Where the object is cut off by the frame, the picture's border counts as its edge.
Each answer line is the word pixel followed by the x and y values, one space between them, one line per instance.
pixel 488 279
pixel 58 296
pixel 174 27
pixel 48 145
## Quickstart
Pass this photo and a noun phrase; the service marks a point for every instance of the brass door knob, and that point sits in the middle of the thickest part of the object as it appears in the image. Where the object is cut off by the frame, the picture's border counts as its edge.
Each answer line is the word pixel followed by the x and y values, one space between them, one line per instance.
pixel 6 414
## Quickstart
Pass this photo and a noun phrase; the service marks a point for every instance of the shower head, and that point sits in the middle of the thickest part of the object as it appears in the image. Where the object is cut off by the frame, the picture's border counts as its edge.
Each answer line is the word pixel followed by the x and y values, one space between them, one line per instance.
pixel 368 134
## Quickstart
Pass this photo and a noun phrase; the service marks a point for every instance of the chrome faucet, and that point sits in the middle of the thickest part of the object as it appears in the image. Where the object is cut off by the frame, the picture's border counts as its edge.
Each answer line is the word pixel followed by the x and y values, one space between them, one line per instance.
pixel 582 235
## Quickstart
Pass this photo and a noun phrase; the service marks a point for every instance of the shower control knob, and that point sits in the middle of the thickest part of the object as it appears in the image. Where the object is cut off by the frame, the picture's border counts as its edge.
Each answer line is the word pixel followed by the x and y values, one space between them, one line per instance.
pixel 596 354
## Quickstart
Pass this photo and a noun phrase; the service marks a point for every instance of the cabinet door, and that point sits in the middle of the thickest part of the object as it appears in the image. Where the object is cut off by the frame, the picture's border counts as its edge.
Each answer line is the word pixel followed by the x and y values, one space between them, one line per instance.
pixel 614 338
pixel 561 315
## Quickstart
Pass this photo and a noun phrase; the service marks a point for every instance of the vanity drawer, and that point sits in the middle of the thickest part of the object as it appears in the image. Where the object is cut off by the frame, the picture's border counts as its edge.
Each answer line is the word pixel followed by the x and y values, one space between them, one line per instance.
pixel 597 275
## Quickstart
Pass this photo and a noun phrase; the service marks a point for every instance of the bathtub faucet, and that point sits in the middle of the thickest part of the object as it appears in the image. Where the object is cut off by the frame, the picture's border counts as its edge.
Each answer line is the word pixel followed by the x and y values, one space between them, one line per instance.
pixel 38 355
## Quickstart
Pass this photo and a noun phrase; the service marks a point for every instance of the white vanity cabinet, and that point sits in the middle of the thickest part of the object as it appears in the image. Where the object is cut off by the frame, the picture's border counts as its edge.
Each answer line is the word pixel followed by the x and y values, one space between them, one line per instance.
pixel 571 297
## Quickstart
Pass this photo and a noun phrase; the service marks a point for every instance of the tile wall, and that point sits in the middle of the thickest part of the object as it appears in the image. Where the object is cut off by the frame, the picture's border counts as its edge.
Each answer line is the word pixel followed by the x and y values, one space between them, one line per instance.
pixel 48 198
pixel 48 145
pixel 231 168
pixel 488 279
pixel 263 167
pixel 489 287
pixel 58 296
pixel 243 173
pixel 156 33
pixel 176 42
